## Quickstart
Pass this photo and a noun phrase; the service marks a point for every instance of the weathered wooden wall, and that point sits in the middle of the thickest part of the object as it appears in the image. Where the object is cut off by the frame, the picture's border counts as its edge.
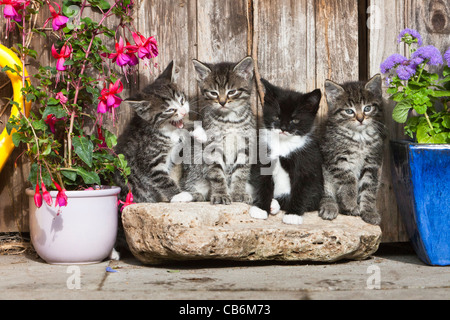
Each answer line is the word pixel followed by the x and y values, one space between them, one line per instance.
pixel 297 44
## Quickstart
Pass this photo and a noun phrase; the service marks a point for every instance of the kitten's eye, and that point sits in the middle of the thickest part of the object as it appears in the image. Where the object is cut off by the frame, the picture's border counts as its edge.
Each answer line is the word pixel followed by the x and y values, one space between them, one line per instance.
pixel 368 109
pixel 232 93
pixel 275 118
pixel 182 100
pixel 295 121
pixel 213 94
pixel 171 110
pixel 349 111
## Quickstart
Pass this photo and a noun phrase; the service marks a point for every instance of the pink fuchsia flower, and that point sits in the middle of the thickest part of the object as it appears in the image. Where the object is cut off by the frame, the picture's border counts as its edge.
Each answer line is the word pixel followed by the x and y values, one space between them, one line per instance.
pixel 46 195
pixel 120 56
pixel 128 201
pixel 108 99
pixel 146 47
pixel 58 21
pixel 61 197
pixel 37 197
pixel 51 121
pixel 131 53
pixel 65 53
pixel 11 11
pixel 61 97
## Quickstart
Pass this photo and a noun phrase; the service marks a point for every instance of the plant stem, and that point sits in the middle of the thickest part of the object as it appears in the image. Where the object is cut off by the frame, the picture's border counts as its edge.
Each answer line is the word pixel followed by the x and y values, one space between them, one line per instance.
pixel 429 122
pixel 78 84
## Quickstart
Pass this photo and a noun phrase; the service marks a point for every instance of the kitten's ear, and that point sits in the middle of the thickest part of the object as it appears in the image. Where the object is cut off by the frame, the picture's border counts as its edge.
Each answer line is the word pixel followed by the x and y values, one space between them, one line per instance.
pixel 169 73
pixel 268 87
pixel 313 100
pixel 315 96
pixel 202 70
pixel 244 68
pixel 374 85
pixel 333 91
pixel 140 105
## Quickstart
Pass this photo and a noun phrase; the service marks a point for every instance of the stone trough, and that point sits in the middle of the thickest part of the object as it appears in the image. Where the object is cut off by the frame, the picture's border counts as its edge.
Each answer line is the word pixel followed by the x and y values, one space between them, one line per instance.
pixel 161 232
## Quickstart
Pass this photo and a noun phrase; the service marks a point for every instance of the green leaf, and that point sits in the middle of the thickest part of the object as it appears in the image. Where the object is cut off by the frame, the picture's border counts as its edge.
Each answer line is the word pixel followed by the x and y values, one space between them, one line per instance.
pixel 401 110
pixel 58 111
pixel 47 150
pixel 83 147
pixel 71 175
pixel 39 125
pixel 421 109
pixel 446 121
pixel 110 138
pixel 439 94
pixel 17 138
pixel 88 177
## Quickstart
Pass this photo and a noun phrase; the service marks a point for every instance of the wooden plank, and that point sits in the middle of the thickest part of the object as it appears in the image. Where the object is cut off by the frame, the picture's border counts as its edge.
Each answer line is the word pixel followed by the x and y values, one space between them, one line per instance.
pixel 285 41
pixel 336 44
pixel 385 20
pixel 222 30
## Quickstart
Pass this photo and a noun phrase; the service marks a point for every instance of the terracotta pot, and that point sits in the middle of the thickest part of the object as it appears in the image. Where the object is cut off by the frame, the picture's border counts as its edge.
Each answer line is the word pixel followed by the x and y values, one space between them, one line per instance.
pixel 81 233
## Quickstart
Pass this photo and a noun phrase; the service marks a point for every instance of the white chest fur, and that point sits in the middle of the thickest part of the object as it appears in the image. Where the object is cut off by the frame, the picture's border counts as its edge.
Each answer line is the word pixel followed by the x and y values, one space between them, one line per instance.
pixel 281 145
pixel 281 181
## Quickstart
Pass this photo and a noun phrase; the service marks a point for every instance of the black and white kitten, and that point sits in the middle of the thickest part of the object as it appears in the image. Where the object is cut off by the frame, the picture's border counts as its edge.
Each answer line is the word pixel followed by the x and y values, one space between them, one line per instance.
pixel 293 180
pixel 352 149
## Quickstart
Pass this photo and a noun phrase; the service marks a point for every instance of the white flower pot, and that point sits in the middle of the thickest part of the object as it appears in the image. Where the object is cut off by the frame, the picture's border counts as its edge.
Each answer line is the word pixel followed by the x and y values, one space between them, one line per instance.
pixel 83 232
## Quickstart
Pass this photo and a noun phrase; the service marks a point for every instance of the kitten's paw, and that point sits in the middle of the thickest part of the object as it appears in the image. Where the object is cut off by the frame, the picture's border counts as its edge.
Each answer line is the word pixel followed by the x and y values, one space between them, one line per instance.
pixel 329 211
pixel 293 219
pixel 352 211
pixel 200 135
pixel 220 199
pixel 274 206
pixel 114 255
pixel 242 197
pixel 257 213
pixel 371 216
pixel 182 197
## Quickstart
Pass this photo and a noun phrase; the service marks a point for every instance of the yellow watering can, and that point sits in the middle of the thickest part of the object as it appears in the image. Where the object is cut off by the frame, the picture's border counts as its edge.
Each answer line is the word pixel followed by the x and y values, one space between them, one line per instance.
pixel 9 58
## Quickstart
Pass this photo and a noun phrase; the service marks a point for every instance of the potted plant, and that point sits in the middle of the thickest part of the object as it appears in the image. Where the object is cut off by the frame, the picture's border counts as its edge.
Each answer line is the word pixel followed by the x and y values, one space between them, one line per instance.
pixel 420 166
pixel 66 135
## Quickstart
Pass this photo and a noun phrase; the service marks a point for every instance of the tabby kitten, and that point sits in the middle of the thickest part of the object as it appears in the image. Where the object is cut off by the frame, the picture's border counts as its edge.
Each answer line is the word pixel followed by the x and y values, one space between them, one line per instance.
pixel 221 171
pixel 352 149
pixel 294 180
pixel 152 137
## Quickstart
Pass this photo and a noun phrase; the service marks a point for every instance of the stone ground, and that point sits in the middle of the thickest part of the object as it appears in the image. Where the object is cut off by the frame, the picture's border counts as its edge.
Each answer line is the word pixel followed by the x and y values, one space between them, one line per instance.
pixel 394 272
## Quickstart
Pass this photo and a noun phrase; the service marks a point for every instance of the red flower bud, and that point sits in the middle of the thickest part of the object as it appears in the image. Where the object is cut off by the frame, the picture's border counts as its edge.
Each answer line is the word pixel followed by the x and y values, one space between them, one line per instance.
pixel 37 197
pixel 46 195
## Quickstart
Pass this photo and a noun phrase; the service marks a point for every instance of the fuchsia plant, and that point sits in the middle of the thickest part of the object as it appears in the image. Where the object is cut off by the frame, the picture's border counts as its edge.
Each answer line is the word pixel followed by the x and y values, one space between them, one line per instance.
pixel 69 145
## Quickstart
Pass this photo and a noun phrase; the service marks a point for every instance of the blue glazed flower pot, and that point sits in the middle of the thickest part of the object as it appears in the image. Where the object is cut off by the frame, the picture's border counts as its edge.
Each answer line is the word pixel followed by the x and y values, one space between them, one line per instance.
pixel 421 180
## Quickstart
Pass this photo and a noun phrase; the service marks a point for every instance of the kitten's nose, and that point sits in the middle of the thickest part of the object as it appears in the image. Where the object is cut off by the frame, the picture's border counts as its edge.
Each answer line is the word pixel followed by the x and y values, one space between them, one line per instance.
pixel 222 102
pixel 360 118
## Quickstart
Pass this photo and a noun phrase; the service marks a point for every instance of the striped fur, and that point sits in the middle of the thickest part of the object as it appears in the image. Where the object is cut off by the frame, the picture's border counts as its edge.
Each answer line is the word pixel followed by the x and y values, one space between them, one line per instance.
pixel 352 150
pixel 220 173
pixel 152 139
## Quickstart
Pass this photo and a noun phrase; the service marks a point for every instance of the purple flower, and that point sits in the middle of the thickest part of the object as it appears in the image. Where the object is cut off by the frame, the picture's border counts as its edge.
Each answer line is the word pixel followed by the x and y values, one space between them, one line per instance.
pixel 429 53
pixel 447 56
pixel 392 62
pixel 405 72
pixel 413 33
